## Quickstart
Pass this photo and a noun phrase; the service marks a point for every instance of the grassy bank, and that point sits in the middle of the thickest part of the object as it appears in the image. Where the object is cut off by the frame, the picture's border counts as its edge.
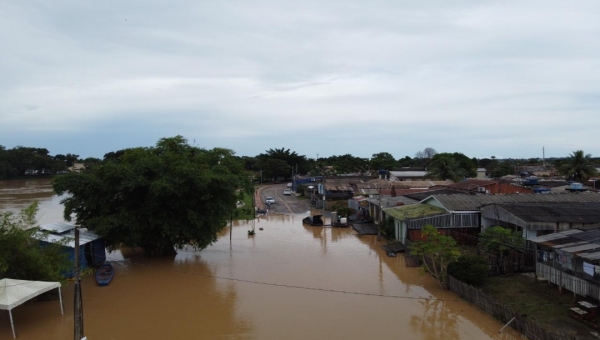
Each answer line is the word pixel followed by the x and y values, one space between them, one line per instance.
pixel 539 301
pixel 247 211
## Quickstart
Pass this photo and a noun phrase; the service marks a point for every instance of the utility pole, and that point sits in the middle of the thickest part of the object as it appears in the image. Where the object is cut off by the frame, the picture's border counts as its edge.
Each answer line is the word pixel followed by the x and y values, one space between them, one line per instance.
pixel 380 217
pixel 78 302
pixel 544 157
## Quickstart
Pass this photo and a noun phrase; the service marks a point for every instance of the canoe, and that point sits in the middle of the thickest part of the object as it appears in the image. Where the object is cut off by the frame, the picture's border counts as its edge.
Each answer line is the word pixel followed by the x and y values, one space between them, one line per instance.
pixel 104 274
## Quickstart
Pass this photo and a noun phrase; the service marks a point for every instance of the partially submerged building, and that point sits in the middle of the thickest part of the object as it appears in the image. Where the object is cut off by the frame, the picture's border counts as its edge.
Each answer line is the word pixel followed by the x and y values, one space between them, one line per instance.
pixel 92 250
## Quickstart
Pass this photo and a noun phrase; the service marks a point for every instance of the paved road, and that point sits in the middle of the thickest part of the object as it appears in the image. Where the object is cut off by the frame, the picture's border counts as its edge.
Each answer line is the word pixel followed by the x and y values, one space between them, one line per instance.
pixel 285 204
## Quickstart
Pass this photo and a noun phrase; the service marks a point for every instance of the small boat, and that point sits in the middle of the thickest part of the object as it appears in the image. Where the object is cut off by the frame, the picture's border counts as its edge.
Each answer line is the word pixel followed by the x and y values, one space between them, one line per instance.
pixel 314 220
pixel 104 274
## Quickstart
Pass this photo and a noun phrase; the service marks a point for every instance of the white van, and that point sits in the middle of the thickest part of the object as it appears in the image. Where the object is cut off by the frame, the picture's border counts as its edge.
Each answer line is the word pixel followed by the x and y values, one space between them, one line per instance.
pixel 289 185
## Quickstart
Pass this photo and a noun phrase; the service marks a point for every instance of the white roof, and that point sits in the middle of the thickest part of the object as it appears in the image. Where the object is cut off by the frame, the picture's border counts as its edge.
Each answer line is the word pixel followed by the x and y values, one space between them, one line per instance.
pixel 408 173
pixel 16 292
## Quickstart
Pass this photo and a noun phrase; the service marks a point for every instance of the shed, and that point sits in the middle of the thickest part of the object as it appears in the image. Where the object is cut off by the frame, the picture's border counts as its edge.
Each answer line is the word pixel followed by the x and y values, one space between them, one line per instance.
pixel 92 250
pixel 15 292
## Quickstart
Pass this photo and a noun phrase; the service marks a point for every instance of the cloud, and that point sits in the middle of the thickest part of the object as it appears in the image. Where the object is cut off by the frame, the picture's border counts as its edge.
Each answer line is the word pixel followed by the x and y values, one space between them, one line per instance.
pixel 340 77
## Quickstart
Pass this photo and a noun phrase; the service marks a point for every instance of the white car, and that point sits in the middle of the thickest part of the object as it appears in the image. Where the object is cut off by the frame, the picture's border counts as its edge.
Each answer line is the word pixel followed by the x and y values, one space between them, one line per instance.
pixel 270 200
pixel 287 192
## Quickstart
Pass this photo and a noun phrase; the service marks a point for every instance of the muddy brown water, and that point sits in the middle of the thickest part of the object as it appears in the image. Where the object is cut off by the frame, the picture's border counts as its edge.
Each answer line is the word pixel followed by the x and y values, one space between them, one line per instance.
pixel 289 281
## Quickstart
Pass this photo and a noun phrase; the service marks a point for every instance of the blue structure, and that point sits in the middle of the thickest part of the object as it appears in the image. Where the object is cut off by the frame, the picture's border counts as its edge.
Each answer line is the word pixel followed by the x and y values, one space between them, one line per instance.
pixel 307 180
pixel 92 251
pixel 541 190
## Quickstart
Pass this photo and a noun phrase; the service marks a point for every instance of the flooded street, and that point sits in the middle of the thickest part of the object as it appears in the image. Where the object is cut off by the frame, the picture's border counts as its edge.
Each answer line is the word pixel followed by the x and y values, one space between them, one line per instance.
pixel 289 281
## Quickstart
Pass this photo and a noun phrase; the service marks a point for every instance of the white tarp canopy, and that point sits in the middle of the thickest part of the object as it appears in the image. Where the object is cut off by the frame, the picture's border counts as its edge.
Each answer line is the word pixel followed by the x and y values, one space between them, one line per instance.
pixel 16 292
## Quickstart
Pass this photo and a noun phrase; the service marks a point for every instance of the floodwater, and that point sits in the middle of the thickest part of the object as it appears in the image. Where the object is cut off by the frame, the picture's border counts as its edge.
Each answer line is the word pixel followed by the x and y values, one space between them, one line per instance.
pixel 289 281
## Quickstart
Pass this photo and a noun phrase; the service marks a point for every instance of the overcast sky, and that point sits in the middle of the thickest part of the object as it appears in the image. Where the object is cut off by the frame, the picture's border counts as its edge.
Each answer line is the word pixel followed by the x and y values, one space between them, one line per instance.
pixel 502 78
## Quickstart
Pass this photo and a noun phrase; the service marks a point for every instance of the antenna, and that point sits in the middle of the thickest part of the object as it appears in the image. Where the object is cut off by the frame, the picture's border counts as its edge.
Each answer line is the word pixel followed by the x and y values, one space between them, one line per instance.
pixel 544 156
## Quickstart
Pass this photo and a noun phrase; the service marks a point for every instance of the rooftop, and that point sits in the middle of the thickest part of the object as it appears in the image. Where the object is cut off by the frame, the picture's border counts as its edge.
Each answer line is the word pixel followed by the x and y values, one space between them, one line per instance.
pixel 470 202
pixel 413 211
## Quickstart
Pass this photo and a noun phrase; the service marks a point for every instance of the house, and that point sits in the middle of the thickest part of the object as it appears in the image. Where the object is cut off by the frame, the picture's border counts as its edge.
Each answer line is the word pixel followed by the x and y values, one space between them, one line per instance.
pixel 77 167
pixel 540 218
pixel 410 219
pixel 408 174
pixel 481 173
pixel 485 187
pixel 570 259
pixel 376 201
pixel 466 209
pixel 92 250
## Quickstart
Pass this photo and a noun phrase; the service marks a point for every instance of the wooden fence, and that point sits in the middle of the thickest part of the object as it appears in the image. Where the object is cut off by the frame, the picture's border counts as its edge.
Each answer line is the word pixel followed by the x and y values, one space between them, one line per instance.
pixel 522 323
pixel 562 279
pixel 410 260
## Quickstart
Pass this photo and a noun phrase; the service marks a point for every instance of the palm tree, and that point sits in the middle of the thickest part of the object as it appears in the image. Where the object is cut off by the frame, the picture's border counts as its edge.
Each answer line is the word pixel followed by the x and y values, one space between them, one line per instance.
pixel 578 167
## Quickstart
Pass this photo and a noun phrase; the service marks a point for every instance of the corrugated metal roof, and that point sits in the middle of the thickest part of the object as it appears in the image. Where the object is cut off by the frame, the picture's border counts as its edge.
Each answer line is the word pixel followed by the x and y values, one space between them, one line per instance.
pixel 567 245
pixel 555 236
pixel 84 237
pixel 392 201
pixel 582 247
pixel 401 174
pixel 591 256
pixel 469 202
pixel 423 195
pixel 588 235
pixel 57 227
pixel 570 212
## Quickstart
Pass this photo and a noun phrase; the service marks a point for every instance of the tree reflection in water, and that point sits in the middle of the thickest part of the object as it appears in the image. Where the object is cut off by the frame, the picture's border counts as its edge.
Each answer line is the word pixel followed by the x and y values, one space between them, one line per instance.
pixel 436 322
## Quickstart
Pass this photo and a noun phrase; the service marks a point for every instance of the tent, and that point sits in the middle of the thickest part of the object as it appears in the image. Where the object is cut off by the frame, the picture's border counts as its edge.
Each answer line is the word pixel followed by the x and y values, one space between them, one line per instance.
pixel 16 292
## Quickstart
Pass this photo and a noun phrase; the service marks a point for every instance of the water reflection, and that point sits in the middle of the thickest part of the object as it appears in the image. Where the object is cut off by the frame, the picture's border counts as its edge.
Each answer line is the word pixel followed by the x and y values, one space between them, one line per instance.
pixel 435 322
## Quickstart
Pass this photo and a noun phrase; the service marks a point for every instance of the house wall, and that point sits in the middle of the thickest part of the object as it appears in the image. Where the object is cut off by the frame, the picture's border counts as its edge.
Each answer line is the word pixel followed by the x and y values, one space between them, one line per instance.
pixel 463 236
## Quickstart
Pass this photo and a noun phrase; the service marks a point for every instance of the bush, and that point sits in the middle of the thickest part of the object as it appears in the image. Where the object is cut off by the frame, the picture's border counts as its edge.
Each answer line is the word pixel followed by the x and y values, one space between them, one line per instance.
pixel 21 256
pixel 470 269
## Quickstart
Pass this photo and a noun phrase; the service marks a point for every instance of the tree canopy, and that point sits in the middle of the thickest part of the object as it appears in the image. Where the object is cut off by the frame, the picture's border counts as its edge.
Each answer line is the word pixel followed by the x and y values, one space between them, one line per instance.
pixel 382 161
pixel 499 240
pixel 454 166
pixel 157 198
pixel 294 161
pixel 578 167
pixel 436 252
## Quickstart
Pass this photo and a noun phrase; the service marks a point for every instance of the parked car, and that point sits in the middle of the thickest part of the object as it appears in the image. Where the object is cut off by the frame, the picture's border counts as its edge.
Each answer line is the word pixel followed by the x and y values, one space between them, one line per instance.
pixel 287 192
pixel 270 200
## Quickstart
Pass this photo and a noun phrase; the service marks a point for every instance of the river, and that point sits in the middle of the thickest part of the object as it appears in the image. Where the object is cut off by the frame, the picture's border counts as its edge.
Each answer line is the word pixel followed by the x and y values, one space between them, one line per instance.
pixel 289 281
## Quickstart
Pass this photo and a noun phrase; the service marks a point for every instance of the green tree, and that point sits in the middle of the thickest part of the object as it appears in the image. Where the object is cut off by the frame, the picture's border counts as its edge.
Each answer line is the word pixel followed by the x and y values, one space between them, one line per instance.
pixel 348 164
pixel 21 256
pixel 382 161
pixel 469 268
pixel 291 158
pixel 502 169
pixel 407 162
pixel 157 198
pixel 499 241
pixel 436 252
pixel 273 168
pixel 453 166
pixel 578 167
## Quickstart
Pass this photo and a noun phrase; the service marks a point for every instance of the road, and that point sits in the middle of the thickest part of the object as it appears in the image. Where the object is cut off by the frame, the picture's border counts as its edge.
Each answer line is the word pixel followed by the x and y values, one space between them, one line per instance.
pixel 284 204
